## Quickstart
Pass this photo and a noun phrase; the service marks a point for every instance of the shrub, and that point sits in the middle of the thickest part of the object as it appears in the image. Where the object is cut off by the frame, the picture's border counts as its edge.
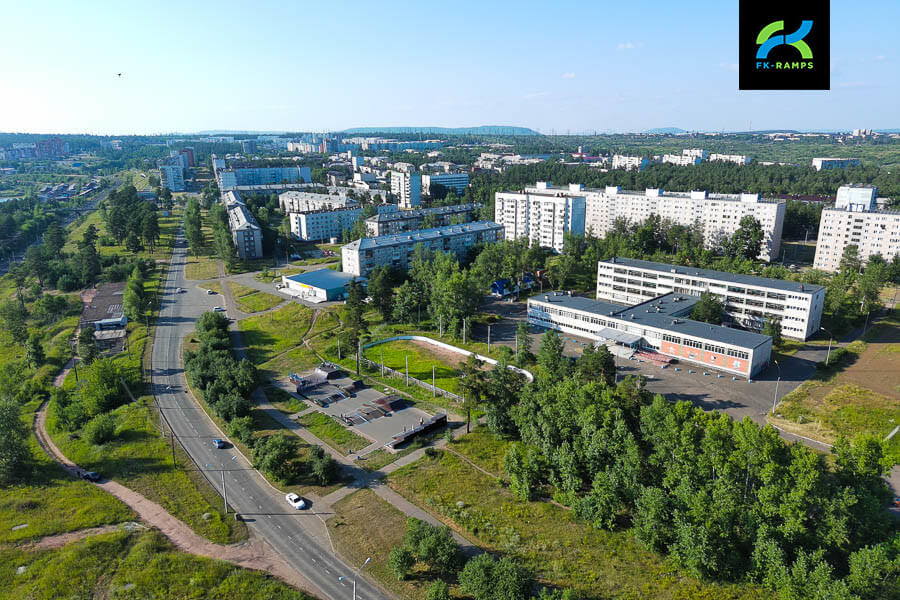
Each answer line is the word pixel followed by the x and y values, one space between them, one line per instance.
pixel 439 590
pixel 401 561
pixel 100 429
pixel 241 428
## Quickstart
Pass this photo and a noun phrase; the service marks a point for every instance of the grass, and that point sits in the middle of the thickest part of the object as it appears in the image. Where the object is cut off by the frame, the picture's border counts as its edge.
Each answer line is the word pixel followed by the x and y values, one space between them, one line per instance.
pixel 141 460
pixel 270 275
pixel 268 335
pixel 211 285
pixel 201 267
pixel 168 228
pixel 295 360
pixel 421 361
pixel 51 500
pixel 131 565
pixel 563 551
pixel 251 300
pixel 483 448
pixel 333 433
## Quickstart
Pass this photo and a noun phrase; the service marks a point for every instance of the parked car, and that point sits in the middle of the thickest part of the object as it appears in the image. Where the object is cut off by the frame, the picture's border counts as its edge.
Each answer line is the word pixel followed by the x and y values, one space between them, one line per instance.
pixel 218 309
pixel 91 476
pixel 220 443
pixel 210 292
pixel 295 501
pixel 178 290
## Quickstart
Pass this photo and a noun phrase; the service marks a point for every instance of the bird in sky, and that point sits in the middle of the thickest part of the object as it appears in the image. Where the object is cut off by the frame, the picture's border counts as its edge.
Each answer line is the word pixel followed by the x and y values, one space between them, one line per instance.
pixel 119 74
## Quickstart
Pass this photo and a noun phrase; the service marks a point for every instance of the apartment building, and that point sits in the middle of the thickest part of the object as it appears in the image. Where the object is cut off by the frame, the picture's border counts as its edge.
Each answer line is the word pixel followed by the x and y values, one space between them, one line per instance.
pixel 458 182
pixel 542 215
pixel 386 223
pixel 407 187
pixel 330 222
pixel 719 214
pixel 247 176
pixel 629 162
pixel 361 256
pixel 834 163
pixel 656 329
pixel 738 159
pixel 245 231
pixel 694 152
pixel 855 220
pixel 682 160
pixel 298 201
pixel 171 176
pixel 748 300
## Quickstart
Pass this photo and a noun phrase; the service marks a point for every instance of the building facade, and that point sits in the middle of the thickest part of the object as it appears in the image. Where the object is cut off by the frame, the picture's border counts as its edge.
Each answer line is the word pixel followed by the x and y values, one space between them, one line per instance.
pixel 386 223
pixel 629 162
pixel 407 187
pixel 738 159
pixel 856 221
pixel 245 231
pixel 748 300
pixel 330 222
pixel 458 182
pixel 542 215
pixel 298 201
pixel 361 256
pixel 244 176
pixel 834 163
pixel 171 177
pixel 682 160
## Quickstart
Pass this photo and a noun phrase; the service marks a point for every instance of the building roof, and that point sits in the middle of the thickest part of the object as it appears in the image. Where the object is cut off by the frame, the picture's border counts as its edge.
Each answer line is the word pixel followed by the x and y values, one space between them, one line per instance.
pixel 106 303
pixel 325 279
pixel 414 237
pixel 402 215
pixel 777 284
pixel 580 303
pixel 240 218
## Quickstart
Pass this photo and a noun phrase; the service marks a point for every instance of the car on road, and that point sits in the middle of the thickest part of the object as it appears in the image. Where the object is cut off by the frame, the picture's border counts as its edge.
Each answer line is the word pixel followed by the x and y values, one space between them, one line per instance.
pixel 210 292
pixel 218 309
pixel 179 290
pixel 295 501
pixel 91 476
pixel 218 443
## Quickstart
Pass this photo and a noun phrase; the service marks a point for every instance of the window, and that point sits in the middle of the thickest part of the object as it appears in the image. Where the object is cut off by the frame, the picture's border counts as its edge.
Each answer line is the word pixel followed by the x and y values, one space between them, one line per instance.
pixel 693 343
pixel 738 354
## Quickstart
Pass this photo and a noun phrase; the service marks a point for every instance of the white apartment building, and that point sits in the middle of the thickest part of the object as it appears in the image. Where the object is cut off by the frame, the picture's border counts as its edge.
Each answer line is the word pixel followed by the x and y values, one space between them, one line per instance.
pixel 329 222
pixel 542 215
pixel 748 300
pixel 629 162
pixel 834 163
pixel 296 201
pixel 245 231
pixel 407 187
pixel 361 256
pixel 855 220
pixel 738 159
pixel 694 152
pixel 171 177
pixel 683 160
pixel 386 223
pixel 458 182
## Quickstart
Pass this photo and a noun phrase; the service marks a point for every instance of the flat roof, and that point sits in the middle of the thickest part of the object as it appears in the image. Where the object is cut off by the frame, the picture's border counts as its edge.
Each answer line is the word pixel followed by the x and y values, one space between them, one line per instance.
pixel 580 303
pixel 422 235
pixel 777 284
pixel 325 279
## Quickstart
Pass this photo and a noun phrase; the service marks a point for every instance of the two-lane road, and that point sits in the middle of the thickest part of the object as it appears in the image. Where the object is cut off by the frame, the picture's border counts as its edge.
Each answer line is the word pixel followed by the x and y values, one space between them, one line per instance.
pixel 296 535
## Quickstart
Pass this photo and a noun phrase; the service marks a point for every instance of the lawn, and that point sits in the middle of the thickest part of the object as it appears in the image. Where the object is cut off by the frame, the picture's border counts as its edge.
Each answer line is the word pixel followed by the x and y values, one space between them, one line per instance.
pixel 268 335
pixel 269 275
pixel 215 286
pixel 295 360
pixel 251 300
pixel 484 449
pixel 140 459
pixel 421 360
pixel 201 267
pixel 563 551
pixel 333 433
pixel 168 228
pixel 131 565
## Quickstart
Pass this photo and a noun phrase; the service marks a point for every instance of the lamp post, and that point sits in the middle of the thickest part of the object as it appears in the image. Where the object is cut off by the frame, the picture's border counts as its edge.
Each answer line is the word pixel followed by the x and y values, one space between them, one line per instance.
pixel 777 381
pixel 830 338
pixel 355 575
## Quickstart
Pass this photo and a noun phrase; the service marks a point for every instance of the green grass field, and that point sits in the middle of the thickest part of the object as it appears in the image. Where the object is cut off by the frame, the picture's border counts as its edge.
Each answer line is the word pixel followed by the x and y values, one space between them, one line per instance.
pixel 168 228
pixel 484 449
pixel 198 268
pixel 130 565
pixel 270 334
pixel 562 551
pixel 421 360
pixel 333 433
pixel 251 300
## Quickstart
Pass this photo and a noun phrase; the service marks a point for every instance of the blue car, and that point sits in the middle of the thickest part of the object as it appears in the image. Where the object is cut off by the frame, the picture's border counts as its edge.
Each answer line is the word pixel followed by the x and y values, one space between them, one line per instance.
pixel 219 443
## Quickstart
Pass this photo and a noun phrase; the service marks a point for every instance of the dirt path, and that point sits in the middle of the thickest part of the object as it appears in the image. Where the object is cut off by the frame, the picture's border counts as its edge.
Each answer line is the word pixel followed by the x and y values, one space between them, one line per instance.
pixel 51 542
pixel 254 554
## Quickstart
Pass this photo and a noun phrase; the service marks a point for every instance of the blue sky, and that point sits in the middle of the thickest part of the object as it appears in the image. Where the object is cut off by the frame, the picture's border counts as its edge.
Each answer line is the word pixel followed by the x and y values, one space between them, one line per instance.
pixel 553 66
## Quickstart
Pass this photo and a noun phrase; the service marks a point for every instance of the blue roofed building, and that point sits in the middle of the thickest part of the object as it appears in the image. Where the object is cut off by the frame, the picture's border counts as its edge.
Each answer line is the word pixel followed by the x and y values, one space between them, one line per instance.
pixel 323 285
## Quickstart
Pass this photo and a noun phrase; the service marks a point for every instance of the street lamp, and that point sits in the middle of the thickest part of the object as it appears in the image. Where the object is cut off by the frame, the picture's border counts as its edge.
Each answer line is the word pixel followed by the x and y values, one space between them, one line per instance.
pixel 777 381
pixel 830 337
pixel 354 576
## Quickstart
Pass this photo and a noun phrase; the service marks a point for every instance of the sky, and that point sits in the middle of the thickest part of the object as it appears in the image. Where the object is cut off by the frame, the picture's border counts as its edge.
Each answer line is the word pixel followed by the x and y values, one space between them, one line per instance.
pixel 557 67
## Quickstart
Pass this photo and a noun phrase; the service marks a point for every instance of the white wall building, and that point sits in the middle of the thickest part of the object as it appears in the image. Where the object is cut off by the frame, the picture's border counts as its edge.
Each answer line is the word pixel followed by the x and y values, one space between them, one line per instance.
pixel 298 201
pixel 738 159
pixel 682 160
pixel 386 223
pixel 171 177
pixel 245 231
pixel 629 162
pixel 856 221
pixel 694 152
pixel 407 187
pixel 834 163
pixel 748 300
pixel 329 222
pixel 542 215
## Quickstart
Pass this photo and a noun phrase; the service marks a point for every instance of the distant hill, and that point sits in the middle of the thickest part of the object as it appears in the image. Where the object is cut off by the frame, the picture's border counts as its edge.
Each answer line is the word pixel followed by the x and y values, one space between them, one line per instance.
pixel 665 130
pixel 482 130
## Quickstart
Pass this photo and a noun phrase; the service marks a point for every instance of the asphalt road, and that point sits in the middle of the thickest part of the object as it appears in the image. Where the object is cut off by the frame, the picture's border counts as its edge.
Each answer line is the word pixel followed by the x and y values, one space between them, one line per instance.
pixel 292 533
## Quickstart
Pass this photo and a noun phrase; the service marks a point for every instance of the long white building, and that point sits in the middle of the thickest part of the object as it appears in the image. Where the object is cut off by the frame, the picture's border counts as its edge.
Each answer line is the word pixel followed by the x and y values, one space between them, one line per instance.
pixel 719 214
pixel 738 159
pixel 361 256
pixel 407 187
pixel 296 201
pixel 682 160
pixel 748 300
pixel 629 162
pixel 388 222
pixel 856 221
pixel 834 163
pixel 329 222
pixel 542 215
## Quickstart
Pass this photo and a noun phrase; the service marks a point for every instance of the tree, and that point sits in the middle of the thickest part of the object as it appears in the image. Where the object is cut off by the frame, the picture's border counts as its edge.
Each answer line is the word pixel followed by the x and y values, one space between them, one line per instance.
pixel 709 309
pixel 101 390
pixel 550 356
pixel 381 289
pixel 12 318
pixel 13 441
pixel 772 328
pixel 746 242
pixel 273 454
pixel 87 345
pixel 100 429
pixel 439 590
pixel 323 468
pixel 523 341
pixel 242 429
pixel 150 229
pixel 34 351
pixel 486 578
pixel 523 466
pixel 850 260
pixel 596 364
pixel 135 300
pixel 400 561
pixel 36 263
pixel 54 239
pixel 472 385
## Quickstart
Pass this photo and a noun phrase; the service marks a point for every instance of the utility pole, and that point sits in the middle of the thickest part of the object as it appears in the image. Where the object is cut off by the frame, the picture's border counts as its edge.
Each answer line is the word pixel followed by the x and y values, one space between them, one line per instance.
pixel 517 346
pixel 224 492
pixel 489 338
pixel 433 386
pixel 339 349
pixel 464 330
pixel 382 361
pixel 407 369
pixel 358 344
pixel 777 381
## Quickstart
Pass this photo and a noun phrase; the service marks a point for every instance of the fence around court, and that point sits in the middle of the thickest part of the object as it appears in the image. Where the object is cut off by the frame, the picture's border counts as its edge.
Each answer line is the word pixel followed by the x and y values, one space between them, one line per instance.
pixel 376 366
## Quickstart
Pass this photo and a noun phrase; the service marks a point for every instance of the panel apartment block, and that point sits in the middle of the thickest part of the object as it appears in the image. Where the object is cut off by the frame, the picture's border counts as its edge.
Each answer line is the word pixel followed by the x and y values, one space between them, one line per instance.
pixel 329 222
pixel 386 223
pixel 748 300
pixel 542 215
pixel 295 201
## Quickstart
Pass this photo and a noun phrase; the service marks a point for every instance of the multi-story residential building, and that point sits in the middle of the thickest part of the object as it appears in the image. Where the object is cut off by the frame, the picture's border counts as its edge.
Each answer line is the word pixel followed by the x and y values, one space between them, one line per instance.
pixel 245 176
pixel 361 256
pixel 683 160
pixel 694 152
pixel 856 221
pixel 458 182
pixel 738 159
pixel 330 222
pixel 542 215
pixel 656 329
pixel 51 148
pixel 387 223
pixel 407 187
pixel 629 162
pixel 298 201
pixel 248 146
pixel 188 153
pixel 171 176
pixel 245 231
pixel 834 163
pixel 748 300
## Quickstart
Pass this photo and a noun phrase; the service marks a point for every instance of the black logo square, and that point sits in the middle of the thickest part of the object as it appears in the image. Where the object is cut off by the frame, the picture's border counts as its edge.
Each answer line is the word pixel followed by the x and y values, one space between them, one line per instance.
pixel 785 45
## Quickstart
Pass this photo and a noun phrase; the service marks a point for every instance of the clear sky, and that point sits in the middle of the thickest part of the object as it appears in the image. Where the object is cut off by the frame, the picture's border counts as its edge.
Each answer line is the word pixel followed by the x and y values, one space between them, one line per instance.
pixel 555 66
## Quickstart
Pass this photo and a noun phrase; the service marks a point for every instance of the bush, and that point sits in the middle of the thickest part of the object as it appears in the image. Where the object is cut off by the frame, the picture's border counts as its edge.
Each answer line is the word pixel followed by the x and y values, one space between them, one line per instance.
pixel 324 468
pixel 439 590
pixel 401 561
pixel 100 429
pixel 241 428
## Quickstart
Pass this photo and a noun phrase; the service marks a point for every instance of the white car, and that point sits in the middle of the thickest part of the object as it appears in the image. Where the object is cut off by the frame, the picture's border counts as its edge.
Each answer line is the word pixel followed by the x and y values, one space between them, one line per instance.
pixel 218 309
pixel 295 501
pixel 178 290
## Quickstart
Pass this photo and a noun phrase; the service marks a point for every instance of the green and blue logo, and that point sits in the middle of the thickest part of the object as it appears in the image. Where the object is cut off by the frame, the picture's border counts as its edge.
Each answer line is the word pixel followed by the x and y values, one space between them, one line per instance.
pixel 767 40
